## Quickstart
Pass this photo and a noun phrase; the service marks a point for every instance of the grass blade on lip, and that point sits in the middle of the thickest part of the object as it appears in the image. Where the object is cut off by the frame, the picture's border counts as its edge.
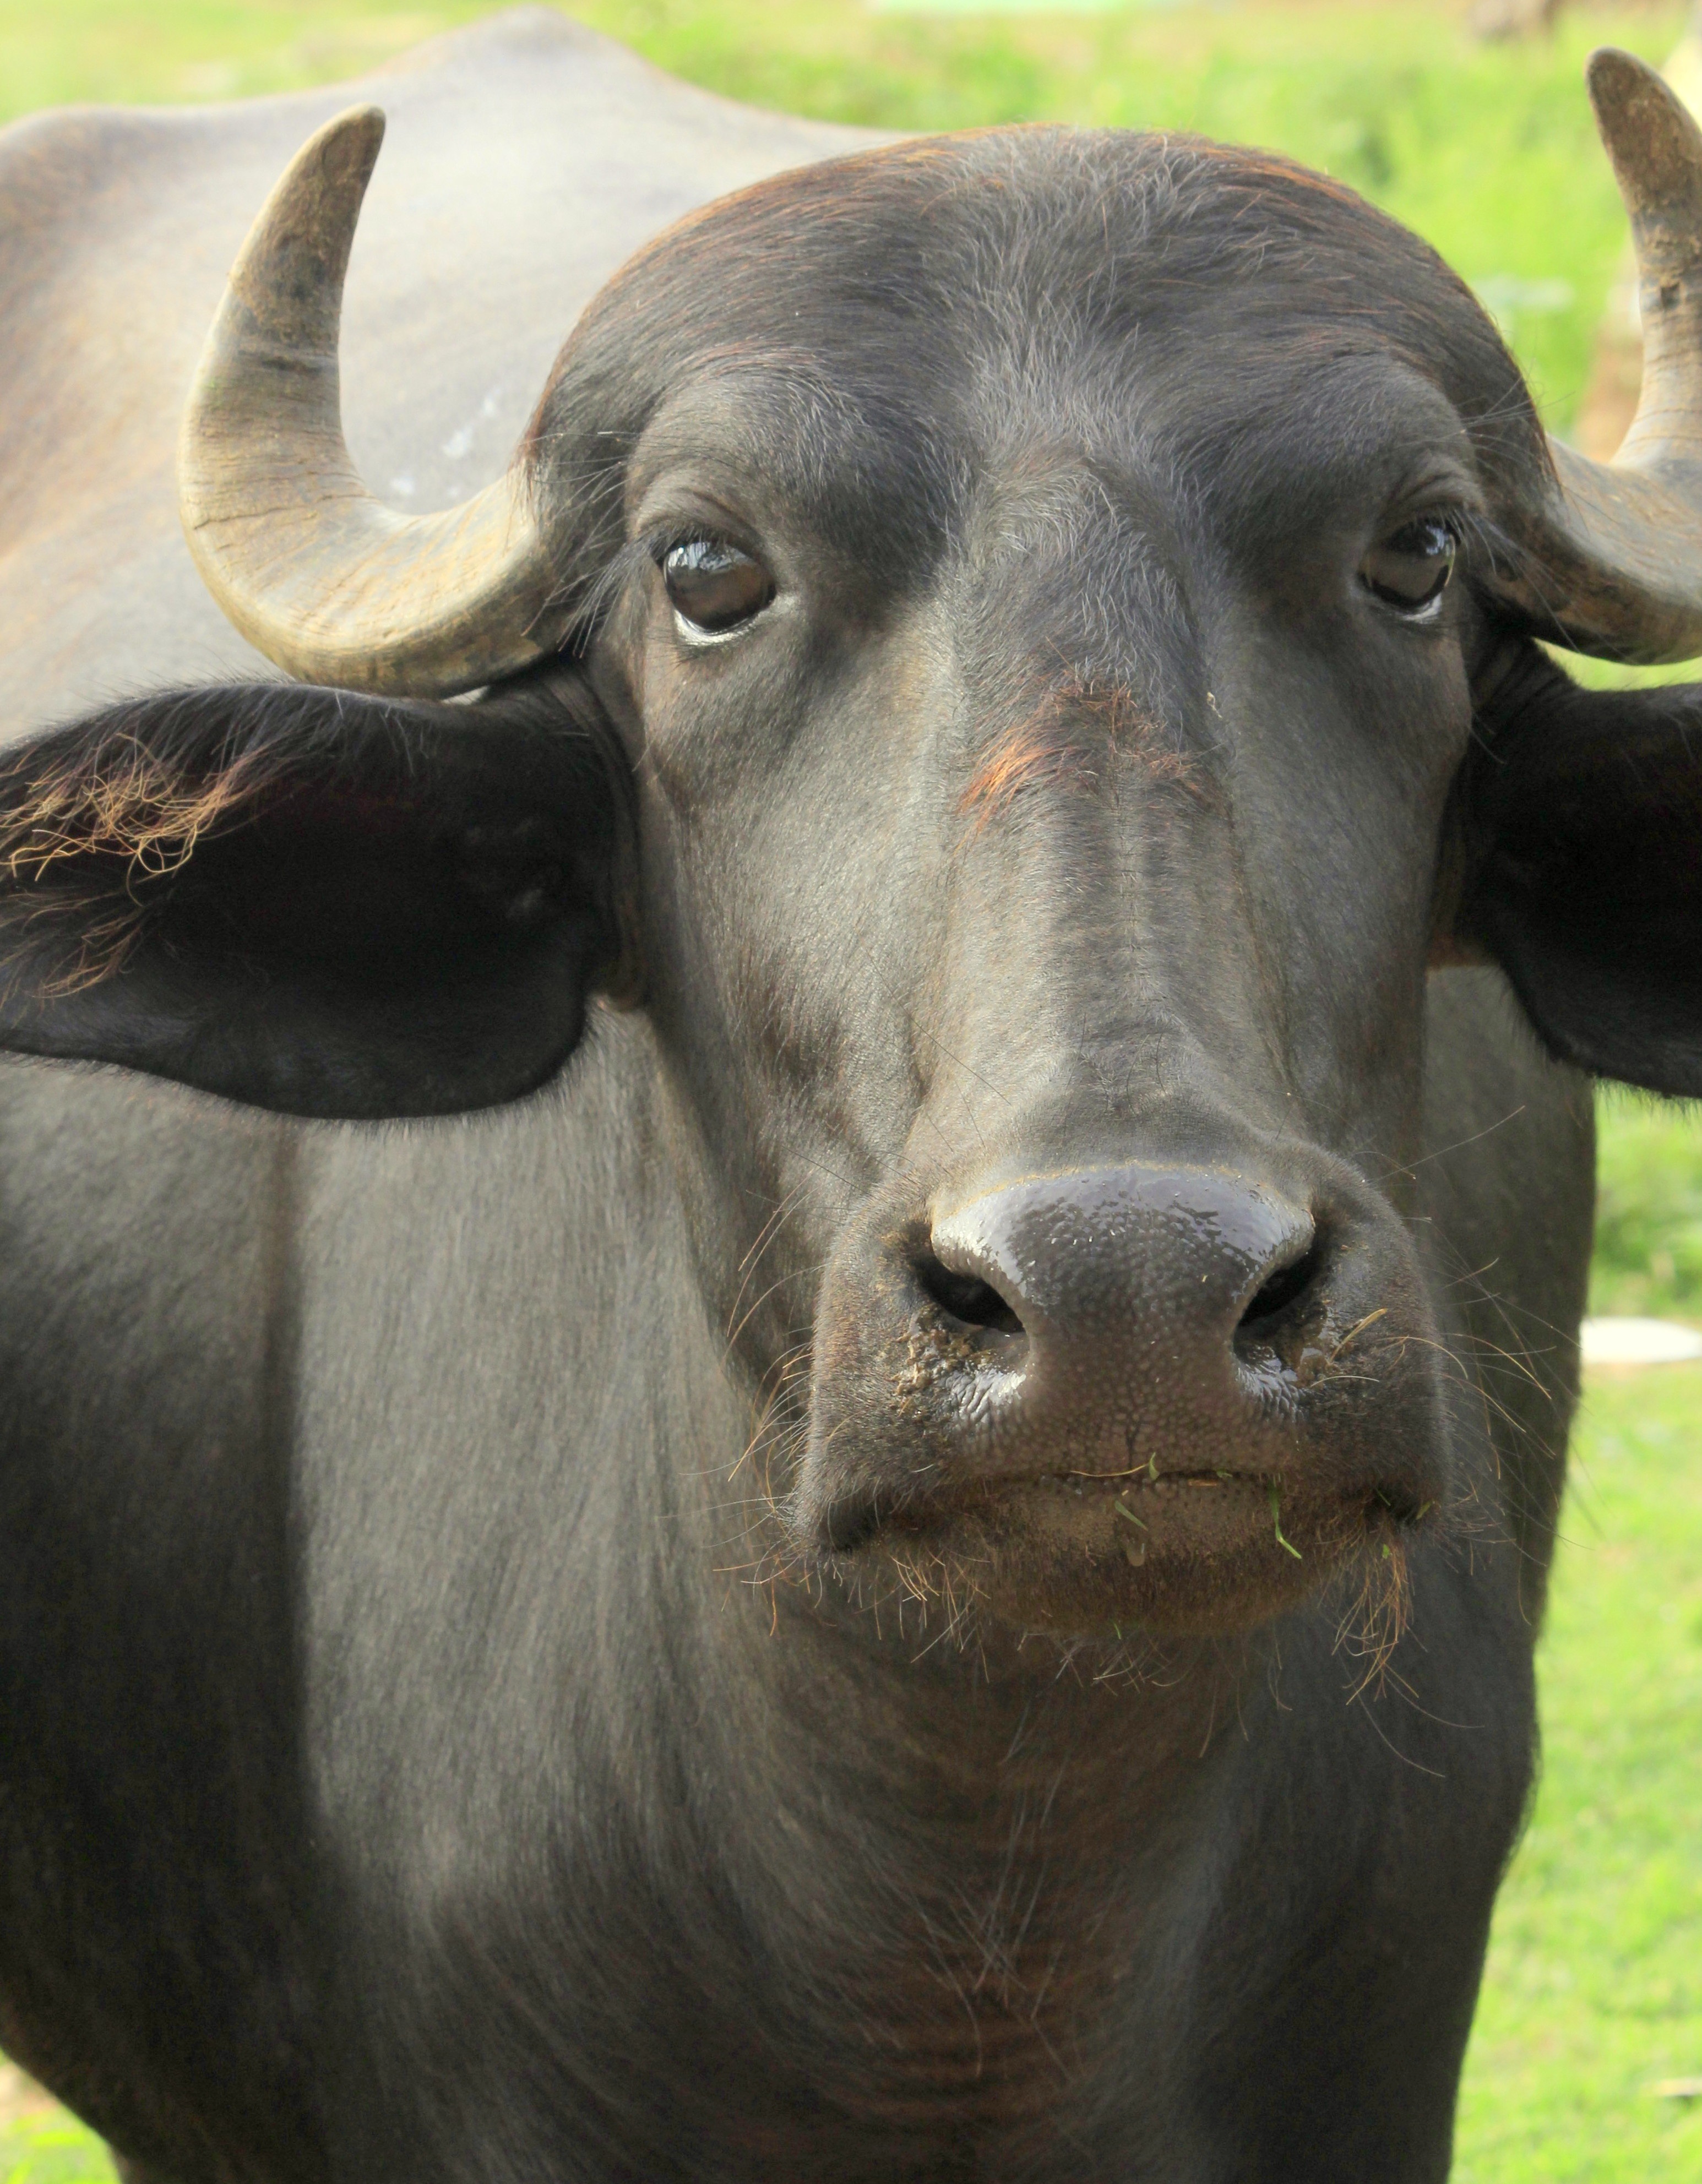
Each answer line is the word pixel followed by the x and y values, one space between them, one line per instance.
pixel 1274 1495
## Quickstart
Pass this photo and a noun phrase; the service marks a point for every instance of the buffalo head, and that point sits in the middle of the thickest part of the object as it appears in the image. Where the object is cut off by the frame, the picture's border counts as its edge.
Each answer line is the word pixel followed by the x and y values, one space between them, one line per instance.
pixel 1017 653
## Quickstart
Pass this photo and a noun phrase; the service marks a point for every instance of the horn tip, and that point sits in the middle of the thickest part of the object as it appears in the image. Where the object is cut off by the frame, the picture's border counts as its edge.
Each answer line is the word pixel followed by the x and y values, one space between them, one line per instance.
pixel 354 135
pixel 367 120
pixel 1650 135
pixel 1616 80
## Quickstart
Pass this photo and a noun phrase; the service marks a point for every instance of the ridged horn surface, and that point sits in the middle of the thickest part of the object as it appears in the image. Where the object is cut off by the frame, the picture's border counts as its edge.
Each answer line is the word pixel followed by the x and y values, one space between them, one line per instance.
pixel 1615 548
pixel 318 575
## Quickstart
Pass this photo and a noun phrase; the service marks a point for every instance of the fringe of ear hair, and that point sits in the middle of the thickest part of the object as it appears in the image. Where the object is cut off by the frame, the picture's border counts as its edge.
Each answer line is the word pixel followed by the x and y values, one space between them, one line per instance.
pixel 91 819
pixel 122 800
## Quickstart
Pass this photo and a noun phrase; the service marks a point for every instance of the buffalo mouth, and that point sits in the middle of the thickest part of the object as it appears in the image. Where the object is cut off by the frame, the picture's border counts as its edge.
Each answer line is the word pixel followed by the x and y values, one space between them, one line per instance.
pixel 1181 1551
pixel 1173 1396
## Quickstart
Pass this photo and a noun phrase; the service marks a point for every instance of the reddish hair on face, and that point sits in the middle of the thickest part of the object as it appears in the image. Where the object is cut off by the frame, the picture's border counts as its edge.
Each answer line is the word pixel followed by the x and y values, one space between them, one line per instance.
pixel 1041 752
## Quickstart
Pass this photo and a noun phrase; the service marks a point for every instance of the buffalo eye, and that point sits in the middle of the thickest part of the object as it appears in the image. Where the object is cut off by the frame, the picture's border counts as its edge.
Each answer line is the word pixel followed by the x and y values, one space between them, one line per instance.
pixel 1409 570
pixel 713 587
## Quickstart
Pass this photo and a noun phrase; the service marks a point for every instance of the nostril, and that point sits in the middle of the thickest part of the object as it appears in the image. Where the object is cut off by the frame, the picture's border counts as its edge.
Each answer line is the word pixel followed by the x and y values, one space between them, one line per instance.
pixel 965 1297
pixel 1274 1300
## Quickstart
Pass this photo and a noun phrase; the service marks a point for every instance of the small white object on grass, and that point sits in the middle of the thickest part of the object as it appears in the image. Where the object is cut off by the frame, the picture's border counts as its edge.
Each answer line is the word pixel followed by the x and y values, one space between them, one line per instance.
pixel 1638 1342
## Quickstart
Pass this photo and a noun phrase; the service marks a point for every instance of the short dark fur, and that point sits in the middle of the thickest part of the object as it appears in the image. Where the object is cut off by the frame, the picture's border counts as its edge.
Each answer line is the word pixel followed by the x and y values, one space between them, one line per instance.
pixel 555 1711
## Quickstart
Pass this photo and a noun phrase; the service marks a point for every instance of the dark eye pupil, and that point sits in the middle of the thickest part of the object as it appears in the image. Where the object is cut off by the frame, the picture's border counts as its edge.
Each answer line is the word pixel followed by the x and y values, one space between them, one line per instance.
pixel 713 586
pixel 1410 569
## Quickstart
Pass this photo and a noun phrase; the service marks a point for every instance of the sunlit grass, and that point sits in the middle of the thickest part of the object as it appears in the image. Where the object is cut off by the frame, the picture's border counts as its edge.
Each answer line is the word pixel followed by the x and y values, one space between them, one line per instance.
pixel 1648 1209
pixel 1593 1993
pixel 52 2149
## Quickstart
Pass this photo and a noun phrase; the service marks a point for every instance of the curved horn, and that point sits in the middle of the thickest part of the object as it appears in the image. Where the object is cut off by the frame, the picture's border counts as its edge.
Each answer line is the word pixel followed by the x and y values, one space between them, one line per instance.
pixel 323 578
pixel 1615 548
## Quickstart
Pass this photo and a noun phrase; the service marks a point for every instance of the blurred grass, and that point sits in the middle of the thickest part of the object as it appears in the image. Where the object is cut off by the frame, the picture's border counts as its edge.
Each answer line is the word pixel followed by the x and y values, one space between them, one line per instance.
pixel 1648 1209
pixel 52 2149
pixel 1488 151
pixel 1593 1990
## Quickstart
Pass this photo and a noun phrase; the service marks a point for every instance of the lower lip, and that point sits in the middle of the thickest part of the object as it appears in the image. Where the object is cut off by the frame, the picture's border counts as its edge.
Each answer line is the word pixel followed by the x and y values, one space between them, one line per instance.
pixel 1163 1514
pixel 1186 1554
pixel 1174 1518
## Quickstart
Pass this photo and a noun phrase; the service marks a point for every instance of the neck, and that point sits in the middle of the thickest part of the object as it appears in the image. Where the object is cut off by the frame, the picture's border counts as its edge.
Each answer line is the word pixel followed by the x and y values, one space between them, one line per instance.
pixel 976 1819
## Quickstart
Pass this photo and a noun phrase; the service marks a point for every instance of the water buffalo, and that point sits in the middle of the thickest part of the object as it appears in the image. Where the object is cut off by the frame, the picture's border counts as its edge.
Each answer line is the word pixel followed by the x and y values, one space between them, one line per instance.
pixel 799 1414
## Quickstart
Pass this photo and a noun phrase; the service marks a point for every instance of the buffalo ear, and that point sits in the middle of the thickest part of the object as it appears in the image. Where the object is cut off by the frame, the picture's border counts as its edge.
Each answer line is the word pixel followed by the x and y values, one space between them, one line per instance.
pixel 324 905
pixel 1581 866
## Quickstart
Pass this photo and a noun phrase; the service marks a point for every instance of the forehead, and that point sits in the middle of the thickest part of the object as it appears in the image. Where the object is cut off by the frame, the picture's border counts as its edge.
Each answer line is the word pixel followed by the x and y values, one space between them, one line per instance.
pixel 1049 241
pixel 896 330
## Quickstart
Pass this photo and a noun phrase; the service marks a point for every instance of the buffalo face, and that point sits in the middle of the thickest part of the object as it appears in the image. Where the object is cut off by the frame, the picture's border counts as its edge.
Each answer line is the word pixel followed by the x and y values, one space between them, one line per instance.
pixel 1039 855
pixel 1046 670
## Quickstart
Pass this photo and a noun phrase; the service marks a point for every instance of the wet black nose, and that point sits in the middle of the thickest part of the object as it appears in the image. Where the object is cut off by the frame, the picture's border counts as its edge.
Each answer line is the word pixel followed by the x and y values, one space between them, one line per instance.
pixel 1136 1297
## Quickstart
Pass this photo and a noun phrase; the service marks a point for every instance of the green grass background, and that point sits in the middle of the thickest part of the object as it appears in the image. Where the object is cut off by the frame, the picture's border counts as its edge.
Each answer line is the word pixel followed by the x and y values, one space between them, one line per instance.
pixel 1594 1985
